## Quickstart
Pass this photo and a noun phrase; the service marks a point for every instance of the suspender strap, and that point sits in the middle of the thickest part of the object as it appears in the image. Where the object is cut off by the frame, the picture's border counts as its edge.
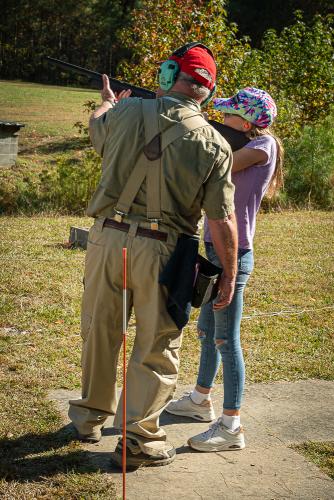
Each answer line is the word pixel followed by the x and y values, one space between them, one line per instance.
pixel 149 162
pixel 152 153
pixel 131 189
pixel 182 128
pixel 134 181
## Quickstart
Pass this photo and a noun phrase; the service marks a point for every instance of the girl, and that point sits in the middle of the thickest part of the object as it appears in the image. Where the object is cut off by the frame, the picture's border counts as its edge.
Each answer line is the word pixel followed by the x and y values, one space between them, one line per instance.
pixel 257 169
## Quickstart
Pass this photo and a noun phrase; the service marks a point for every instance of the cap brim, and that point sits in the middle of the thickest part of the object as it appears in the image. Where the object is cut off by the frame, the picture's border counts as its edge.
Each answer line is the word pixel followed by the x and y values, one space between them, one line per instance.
pixel 225 105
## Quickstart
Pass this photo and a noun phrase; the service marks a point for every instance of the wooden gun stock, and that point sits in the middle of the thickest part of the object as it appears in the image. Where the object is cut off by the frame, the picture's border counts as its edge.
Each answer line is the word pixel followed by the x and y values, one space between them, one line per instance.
pixel 235 138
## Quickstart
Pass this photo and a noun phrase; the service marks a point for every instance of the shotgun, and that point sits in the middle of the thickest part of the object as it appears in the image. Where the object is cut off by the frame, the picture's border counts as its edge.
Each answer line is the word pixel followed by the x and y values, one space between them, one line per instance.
pixel 236 139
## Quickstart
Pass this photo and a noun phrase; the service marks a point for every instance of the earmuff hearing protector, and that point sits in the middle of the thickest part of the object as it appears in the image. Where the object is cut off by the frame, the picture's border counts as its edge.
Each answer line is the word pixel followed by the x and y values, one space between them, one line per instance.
pixel 210 96
pixel 167 74
pixel 169 70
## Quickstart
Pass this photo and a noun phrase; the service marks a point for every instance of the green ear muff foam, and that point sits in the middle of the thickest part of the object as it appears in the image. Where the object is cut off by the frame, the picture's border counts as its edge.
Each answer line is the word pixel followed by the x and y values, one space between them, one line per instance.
pixel 167 74
pixel 210 96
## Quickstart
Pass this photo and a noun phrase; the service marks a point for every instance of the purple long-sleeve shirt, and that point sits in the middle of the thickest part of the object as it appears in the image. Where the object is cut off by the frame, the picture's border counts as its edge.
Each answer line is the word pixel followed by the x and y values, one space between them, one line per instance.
pixel 251 184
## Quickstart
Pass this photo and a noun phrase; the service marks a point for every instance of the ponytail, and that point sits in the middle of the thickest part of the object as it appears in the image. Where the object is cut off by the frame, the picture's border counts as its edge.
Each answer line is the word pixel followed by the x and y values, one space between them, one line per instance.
pixel 277 180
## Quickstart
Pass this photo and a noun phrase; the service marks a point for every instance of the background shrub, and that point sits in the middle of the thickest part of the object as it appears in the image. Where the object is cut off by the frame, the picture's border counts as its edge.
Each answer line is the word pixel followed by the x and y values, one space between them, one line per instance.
pixel 66 186
pixel 309 166
pixel 296 67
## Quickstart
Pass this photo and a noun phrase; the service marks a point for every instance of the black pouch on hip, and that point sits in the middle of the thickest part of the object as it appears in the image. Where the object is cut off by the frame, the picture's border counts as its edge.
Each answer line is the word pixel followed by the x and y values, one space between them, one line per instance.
pixel 206 282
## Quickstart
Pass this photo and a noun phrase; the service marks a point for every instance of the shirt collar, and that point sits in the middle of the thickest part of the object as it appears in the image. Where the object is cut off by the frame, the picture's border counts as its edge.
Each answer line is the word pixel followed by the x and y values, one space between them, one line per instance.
pixel 183 99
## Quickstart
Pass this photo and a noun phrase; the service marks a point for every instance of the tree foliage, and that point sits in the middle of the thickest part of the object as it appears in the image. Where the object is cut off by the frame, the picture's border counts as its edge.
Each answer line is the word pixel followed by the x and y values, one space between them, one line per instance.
pixel 79 31
pixel 296 68
pixel 159 27
pixel 254 17
pixel 310 166
pixel 128 39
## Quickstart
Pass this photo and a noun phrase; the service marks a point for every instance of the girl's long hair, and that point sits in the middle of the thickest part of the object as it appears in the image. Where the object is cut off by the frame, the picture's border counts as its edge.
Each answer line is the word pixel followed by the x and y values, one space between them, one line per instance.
pixel 277 179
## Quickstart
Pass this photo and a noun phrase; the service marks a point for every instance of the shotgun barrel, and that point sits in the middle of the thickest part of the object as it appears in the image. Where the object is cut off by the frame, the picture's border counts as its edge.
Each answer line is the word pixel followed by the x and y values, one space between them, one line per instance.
pixel 94 76
pixel 236 139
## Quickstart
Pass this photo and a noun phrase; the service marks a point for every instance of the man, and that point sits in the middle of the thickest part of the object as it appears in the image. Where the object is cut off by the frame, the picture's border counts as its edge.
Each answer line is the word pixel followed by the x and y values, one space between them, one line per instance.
pixel 162 163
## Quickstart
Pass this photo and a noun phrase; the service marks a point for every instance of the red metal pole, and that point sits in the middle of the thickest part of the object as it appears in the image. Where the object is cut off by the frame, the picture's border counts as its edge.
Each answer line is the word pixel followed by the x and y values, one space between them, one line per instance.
pixel 125 318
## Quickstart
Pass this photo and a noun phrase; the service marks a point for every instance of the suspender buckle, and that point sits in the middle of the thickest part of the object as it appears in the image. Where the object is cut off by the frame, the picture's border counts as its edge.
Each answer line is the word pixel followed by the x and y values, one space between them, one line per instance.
pixel 118 217
pixel 155 224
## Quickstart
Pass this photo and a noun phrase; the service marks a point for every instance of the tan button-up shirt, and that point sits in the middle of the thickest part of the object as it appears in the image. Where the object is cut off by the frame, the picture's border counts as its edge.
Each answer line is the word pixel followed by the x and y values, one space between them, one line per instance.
pixel 196 168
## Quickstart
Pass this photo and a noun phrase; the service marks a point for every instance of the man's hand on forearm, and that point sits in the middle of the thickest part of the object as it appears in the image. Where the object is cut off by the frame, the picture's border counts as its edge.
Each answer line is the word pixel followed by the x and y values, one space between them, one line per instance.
pixel 103 108
pixel 225 241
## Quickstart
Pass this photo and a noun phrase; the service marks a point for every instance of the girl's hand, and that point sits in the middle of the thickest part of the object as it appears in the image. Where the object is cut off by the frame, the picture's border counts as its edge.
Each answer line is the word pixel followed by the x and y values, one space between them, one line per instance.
pixel 123 95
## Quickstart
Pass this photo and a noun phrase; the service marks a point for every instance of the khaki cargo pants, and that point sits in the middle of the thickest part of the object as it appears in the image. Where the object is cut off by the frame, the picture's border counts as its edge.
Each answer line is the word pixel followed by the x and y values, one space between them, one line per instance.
pixel 154 362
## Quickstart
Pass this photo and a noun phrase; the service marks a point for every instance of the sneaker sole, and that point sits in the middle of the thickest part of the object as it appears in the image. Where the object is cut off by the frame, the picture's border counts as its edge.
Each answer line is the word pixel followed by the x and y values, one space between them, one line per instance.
pixel 205 447
pixel 200 418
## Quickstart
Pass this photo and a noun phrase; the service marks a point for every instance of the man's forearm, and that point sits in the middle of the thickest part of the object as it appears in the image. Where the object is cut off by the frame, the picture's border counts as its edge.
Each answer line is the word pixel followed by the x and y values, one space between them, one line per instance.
pixel 100 111
pixel 105 106
pixel 225 241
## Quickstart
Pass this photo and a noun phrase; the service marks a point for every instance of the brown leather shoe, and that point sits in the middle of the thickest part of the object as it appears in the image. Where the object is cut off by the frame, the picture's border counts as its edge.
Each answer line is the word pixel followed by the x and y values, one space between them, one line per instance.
pixel 91 438
pixel 135 458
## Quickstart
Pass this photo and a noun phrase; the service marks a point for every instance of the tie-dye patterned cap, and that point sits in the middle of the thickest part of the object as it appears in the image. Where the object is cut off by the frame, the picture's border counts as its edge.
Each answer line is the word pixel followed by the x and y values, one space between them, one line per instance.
pixel 254 105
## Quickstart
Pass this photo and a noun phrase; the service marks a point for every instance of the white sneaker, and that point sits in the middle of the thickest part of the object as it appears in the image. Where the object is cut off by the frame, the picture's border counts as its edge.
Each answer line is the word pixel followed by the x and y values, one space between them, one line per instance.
pixel 218 438
pixel 185 407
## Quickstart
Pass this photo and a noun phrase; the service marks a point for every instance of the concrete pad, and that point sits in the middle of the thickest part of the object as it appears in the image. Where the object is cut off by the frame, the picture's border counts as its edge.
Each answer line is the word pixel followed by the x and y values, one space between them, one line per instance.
pixel 274 416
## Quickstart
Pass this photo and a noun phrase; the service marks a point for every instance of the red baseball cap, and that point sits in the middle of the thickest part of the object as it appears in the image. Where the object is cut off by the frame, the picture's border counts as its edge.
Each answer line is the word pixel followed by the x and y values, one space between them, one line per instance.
pixel 198 57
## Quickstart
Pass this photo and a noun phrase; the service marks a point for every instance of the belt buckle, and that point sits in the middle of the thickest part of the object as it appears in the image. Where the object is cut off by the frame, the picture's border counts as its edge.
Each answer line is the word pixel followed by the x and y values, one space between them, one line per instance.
pixel 154 224
pixel 118 217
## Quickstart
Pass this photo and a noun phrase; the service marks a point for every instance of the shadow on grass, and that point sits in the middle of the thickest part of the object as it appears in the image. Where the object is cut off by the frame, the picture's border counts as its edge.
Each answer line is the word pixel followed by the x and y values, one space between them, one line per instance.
pixel 66 245
pixel 52 147
pixel 33 457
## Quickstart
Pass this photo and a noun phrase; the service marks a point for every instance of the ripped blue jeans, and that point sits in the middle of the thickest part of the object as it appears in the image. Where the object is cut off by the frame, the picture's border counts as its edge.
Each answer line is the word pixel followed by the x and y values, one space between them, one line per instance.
pixel 219 333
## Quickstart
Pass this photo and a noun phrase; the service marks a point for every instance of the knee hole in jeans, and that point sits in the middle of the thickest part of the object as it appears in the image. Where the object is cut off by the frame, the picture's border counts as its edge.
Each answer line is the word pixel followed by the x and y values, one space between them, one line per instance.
pixel 220 342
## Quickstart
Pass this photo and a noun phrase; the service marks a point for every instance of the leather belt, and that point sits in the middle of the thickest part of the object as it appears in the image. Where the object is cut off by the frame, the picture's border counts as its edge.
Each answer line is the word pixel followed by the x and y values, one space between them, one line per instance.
pixel 141 231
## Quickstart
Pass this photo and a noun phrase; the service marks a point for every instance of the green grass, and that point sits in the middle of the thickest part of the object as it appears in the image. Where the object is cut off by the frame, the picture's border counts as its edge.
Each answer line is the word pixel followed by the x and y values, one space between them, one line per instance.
pixel 40 290
pixel 48 139
pixel 49 114
pixel 322 454
pixel 39 350
pixel 293 272
pixel 47 111
pixel 41 286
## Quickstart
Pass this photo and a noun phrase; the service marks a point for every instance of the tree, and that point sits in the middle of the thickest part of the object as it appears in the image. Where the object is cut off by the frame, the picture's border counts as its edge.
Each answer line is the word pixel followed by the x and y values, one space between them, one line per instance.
pixel 254 17
pixel 159 27
pixel 79 31
pixel 297 69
